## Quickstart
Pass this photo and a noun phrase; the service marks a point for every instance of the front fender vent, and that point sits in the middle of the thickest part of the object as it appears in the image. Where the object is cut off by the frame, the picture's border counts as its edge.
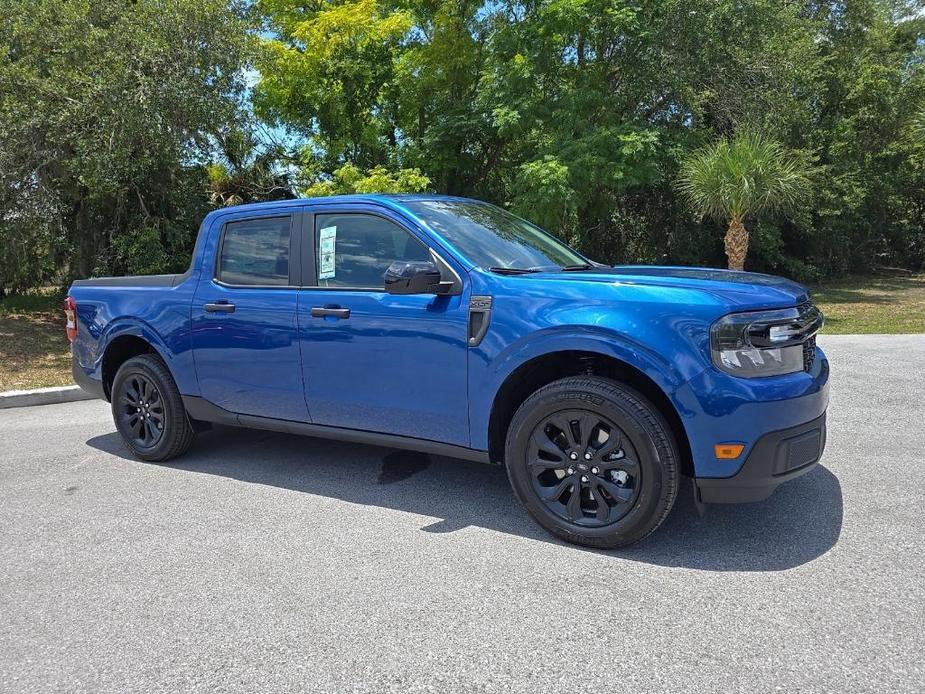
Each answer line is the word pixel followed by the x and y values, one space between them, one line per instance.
pixel 479 318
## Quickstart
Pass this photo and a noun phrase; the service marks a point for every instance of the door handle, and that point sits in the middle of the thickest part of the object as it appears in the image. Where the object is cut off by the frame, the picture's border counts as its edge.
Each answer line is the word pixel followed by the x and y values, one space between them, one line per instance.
pixel 322 311
pixel 219 307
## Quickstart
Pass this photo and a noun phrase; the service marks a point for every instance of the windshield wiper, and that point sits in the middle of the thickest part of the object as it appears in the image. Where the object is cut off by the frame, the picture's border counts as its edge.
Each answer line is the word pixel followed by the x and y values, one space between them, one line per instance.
pixel 577 268
pixel 515 270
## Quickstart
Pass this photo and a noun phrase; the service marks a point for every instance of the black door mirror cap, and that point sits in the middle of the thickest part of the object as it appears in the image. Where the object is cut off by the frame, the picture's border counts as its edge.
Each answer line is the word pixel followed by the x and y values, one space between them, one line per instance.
pixel 413 277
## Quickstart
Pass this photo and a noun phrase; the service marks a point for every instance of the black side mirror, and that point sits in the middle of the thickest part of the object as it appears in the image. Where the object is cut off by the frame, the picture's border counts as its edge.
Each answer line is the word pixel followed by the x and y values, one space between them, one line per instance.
pixel 412 277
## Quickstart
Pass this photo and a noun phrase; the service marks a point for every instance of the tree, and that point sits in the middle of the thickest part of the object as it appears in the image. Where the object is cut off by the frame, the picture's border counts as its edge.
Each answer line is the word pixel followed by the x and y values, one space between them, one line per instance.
pixel 326 72
pixel 246 171
pixel 570 112
pixel 106 115
pixel 576 114
pixel 917 126
pixel 741 176
pixel 349 179
pixel 869 209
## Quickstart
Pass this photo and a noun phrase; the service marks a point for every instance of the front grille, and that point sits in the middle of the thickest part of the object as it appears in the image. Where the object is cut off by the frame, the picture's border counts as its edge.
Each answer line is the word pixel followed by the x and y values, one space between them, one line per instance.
pixel 807 312
pixel 809 353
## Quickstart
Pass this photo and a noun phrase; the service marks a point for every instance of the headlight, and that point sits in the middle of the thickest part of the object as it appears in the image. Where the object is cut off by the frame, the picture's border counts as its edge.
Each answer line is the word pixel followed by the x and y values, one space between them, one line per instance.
pixel 764 343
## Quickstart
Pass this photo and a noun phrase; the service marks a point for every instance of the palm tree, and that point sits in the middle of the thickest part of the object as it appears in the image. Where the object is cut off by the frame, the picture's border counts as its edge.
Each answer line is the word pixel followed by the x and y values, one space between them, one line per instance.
pixel 742 176
pixel 245 172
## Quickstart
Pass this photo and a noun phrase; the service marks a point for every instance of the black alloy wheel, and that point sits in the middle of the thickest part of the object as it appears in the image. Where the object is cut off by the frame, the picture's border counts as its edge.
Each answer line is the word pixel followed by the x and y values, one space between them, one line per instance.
pixel 584 468
pixel 593 461
pixel 148 410
pixel 141 410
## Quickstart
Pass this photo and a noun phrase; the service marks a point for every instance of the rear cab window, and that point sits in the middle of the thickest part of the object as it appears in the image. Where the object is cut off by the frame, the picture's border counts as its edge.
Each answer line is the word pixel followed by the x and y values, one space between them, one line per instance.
pixel 255 252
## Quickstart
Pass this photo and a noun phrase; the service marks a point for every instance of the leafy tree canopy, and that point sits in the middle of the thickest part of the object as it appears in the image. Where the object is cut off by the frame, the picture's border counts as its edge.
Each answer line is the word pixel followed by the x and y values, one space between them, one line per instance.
pixel 578 113
pixel 105 110
pixel 121 122
pixel 349 179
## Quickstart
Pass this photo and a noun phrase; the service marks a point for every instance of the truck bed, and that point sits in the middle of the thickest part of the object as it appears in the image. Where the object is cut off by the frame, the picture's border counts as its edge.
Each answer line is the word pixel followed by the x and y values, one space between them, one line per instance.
pixel 134 281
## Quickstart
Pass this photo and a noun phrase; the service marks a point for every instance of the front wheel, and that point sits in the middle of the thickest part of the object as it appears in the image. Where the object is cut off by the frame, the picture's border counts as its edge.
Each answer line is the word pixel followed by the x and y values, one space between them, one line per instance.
pixel 593 461
pixel 148 410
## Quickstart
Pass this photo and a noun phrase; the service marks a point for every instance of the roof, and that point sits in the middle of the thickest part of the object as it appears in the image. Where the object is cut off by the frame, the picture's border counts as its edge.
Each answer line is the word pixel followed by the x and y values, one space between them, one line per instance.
pixel 365 197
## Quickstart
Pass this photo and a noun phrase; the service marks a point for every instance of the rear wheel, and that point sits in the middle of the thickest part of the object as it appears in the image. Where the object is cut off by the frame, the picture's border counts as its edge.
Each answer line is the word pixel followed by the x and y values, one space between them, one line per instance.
pixel 593 461
pixel 148 410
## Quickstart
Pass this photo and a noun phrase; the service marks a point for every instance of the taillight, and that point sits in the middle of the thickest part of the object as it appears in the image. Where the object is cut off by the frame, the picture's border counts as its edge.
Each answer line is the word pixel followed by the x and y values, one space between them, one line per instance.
pixel 70 311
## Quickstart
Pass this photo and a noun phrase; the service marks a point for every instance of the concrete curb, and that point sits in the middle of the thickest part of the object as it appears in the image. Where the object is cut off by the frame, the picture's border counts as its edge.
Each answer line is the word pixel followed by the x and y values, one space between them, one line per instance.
pixel 42 396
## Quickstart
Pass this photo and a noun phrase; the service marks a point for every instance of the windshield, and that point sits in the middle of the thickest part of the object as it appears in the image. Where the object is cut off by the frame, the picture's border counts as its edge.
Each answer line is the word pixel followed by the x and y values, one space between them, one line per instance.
pixel 494 238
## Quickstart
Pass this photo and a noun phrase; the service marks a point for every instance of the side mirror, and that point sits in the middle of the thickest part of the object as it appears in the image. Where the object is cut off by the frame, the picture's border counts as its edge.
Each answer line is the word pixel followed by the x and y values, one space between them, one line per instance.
pixel 412 277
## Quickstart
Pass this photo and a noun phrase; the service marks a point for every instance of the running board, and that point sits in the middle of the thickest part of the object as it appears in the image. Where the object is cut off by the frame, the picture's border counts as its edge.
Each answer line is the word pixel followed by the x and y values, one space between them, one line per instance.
pixel 202 410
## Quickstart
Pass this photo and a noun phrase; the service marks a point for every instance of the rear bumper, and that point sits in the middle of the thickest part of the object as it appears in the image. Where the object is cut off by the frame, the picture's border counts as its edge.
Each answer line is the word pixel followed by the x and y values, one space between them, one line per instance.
pixel 776 457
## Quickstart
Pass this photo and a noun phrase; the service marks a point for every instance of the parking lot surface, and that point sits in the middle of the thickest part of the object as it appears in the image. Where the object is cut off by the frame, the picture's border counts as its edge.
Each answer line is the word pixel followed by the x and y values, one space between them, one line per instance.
pixel 265 562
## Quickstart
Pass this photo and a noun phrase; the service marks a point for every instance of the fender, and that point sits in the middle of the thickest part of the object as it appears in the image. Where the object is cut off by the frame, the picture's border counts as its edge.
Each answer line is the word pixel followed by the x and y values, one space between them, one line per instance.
pixel 484 386
pixel 135 327
pixel 175 350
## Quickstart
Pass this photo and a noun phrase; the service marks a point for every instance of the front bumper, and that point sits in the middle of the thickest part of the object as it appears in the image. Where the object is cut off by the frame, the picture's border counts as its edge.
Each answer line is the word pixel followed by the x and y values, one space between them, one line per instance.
pixel 776 457
pixel 716 408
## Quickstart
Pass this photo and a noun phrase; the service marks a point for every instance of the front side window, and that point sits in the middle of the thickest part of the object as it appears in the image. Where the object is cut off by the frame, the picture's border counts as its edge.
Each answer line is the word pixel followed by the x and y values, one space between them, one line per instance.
pixel 355 250
pixel 494 238
pixel 255 251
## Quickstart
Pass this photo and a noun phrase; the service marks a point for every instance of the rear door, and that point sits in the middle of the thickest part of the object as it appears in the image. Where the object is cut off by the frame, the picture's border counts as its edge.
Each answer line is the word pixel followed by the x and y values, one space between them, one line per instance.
pixel 371 360
pixel 244 317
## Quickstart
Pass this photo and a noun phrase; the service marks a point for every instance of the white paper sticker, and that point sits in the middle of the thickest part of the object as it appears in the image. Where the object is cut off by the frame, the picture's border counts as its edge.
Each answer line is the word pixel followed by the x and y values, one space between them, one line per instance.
pixel 327 240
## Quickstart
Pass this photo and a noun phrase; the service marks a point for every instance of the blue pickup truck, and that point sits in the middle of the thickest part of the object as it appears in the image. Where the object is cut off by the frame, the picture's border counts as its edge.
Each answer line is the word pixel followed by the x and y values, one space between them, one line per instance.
pixel 450 326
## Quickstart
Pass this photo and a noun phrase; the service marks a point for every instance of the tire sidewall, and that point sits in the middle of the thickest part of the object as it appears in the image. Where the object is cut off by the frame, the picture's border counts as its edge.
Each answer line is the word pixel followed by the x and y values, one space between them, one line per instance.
pixel 654 459
pixel 140 365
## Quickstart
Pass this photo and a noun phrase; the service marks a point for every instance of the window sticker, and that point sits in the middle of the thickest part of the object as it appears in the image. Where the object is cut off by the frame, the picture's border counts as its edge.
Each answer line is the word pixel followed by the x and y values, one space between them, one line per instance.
pixel 327 239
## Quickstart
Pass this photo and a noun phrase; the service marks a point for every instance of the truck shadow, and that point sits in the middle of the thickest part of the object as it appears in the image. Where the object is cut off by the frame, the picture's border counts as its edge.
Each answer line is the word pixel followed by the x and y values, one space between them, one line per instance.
pixel 799 523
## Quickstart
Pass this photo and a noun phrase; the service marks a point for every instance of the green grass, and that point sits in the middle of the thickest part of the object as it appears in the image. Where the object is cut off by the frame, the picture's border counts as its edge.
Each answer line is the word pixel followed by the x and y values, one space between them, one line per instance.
pixel 872 305
pixel 37 301
pixel 34 350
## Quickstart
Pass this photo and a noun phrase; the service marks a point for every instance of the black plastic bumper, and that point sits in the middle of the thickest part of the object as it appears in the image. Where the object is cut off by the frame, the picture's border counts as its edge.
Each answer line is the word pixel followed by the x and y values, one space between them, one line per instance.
pixel 91 386
pixel 776 458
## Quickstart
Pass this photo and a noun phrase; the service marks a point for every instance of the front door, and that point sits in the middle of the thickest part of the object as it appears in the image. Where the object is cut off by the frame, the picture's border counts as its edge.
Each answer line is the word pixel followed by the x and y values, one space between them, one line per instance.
pixel 245 323
pixel 371 360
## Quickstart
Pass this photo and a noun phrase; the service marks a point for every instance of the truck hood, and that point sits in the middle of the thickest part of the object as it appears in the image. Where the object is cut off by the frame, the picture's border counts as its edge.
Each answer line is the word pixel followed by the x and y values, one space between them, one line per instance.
pixel 739 290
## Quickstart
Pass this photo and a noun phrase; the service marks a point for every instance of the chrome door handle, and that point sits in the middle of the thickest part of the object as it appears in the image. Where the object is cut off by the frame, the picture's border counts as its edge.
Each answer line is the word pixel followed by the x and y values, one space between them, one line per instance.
pixel 219 307
pixel 322 311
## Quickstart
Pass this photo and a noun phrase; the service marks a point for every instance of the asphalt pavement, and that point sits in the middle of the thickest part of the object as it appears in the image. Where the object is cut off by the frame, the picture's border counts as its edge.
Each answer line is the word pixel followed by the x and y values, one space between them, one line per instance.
pixel 264 562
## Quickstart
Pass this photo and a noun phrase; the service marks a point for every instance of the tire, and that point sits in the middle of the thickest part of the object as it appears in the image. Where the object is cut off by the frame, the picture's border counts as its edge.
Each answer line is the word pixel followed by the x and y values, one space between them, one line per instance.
pixel 627 486
pixel 143 386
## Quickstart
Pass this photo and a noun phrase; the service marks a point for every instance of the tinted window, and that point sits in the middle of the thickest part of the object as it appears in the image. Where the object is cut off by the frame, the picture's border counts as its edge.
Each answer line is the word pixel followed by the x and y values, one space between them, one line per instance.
pixel 355 250
pixel 492 237
pixel 255 251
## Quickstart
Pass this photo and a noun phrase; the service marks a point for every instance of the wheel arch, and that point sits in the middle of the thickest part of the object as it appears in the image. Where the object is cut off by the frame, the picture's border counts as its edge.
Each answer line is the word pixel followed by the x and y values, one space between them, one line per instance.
pixel 545 368
pixel 122 343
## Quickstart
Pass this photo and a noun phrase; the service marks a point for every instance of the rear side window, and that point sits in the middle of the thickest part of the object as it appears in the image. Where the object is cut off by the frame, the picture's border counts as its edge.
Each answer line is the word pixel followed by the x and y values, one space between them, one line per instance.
pixel 355 250
pixel 255 251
